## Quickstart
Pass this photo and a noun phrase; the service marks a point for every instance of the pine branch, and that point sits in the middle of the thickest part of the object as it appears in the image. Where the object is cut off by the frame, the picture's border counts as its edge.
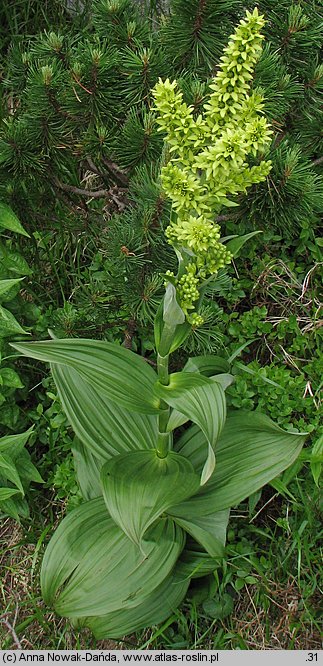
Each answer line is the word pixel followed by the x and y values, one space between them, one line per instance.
pixel 228 216
pixel 117 173
pixel 318 161
pixel 93 194
pixel 93 167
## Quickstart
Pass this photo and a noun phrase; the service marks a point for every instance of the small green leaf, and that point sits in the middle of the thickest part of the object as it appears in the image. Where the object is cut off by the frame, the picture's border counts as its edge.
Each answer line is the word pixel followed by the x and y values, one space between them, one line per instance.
pixel 6 285
pixel 8 220
pixel 235 244
pixel 219 608
pixel 9 471
pixel 14 444
pixel 26 468
pixel 182 331
pixel 316 462
pixel 9 325
pixel 138 487
pixel 5 493
pixel 10 377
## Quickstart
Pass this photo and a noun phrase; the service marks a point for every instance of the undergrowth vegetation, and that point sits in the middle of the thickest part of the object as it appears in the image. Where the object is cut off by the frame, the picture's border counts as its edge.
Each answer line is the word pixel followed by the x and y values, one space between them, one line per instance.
pixel 97 184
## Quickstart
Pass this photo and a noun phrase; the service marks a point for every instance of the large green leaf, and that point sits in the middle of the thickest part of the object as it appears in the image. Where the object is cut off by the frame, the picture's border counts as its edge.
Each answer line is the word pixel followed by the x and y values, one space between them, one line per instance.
pixel 176 419
pixel 203 401
pixel 91 568
pixel 251 451
pixel 209 531
pixel 117 373
pixel 194 562
pixel 207 365
pixel 87 468
pixel 104 427
pixel 158 606
pixel 138 487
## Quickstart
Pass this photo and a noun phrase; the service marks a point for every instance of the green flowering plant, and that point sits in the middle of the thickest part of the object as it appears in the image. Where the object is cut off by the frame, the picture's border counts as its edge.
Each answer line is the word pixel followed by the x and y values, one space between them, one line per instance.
pixel 209 160
pixel 158 490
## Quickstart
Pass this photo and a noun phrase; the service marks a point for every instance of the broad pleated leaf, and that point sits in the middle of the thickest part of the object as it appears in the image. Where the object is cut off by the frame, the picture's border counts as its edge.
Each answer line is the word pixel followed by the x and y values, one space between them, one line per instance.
pixel 202 400
pixel 138 487
pixel 209 531
pixel 104 427
pixel 159 605
pixel 194 562
pixel 91 568
pixel 177 419
pixel 207 365
pixel 251 451
pixel 117 373
pixel 87 468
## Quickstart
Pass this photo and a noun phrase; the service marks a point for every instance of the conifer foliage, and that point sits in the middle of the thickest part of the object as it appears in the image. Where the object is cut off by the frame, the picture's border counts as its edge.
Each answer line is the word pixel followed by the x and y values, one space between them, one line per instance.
pixel 80 132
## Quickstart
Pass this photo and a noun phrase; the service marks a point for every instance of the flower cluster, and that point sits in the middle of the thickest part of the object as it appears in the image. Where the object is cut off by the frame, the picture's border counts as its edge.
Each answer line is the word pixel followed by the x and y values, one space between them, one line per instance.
pixel 209 157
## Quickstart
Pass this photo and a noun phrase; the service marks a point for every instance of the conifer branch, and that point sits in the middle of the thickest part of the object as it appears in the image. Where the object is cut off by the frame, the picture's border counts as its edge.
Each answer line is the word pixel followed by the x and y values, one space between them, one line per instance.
pixel 116 172
pixel 318 161
pixel 228 216
pixel 93 194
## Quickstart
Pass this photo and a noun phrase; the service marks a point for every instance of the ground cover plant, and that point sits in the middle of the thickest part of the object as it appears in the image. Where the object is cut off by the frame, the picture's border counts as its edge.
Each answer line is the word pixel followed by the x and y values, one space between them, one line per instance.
pixel 262 313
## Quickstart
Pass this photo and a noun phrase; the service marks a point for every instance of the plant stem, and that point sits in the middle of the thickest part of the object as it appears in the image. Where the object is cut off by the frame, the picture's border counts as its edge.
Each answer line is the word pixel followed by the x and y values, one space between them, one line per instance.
pixel 163 441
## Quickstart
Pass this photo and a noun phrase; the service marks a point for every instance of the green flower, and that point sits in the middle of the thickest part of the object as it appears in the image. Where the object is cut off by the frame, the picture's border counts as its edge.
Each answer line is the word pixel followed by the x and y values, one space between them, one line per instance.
pixel 209 158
